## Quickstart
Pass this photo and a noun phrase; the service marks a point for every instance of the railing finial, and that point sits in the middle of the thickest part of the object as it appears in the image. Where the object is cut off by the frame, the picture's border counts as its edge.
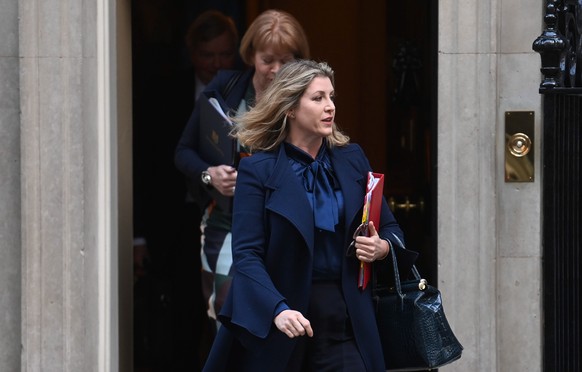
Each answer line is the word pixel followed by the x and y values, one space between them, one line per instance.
pixel 552 46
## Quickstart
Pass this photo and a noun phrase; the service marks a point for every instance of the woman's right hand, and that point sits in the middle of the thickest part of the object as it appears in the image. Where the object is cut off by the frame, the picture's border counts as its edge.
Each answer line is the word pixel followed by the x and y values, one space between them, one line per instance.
pixel 223 179
pixel 293 324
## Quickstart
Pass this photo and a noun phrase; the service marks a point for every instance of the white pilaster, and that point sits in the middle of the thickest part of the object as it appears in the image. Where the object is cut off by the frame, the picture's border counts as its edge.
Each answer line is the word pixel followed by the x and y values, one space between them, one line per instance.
pixel 489 263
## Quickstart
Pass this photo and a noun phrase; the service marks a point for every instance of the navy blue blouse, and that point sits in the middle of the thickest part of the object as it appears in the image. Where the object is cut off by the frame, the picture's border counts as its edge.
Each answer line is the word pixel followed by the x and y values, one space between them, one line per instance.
pixel 325 196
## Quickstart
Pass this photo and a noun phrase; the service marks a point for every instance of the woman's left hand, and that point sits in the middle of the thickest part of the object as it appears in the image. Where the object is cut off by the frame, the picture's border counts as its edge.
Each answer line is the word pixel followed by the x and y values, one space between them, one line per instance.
pixel 371 248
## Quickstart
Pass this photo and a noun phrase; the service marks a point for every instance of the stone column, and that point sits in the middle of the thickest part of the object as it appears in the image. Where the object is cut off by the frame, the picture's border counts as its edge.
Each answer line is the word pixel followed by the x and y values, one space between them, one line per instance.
pixel 10 206
pixel 69 186
pixel 488 230
pixel 519 247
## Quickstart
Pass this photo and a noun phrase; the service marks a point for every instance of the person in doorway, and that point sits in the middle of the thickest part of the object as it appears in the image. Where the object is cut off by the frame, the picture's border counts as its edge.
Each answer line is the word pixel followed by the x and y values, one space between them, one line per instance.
pixel 212 41
pixel 273 38
pixel 294 303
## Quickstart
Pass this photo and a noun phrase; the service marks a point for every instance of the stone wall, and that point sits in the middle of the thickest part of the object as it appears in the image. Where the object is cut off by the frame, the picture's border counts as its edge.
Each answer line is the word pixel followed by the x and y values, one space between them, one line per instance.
pixel 61 244
pixel 10 207
pixel 488 230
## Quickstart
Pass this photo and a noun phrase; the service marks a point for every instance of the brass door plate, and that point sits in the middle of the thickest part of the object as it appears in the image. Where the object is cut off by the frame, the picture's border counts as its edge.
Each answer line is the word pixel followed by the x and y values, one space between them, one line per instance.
pixel 519 146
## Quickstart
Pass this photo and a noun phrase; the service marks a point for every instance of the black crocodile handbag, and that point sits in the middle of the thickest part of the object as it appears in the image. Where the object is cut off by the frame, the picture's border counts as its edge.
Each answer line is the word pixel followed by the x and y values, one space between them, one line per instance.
pixel 414 331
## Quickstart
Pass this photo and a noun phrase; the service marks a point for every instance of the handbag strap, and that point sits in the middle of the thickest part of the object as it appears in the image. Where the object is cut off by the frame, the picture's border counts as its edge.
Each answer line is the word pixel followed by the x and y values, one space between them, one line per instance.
pixel 396 272
pixel 415 272
pixel 414 269
pixel 230 84
pixel 397 282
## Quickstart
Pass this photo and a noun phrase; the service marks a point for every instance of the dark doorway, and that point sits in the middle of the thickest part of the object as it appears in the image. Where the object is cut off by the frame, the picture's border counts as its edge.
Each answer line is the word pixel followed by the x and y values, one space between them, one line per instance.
pixel 385 58
pixel 169 331
pixel 384 55
pixel 412 31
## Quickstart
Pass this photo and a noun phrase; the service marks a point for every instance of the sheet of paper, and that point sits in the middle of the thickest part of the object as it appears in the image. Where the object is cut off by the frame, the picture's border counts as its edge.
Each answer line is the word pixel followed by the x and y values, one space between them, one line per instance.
pixel 214 102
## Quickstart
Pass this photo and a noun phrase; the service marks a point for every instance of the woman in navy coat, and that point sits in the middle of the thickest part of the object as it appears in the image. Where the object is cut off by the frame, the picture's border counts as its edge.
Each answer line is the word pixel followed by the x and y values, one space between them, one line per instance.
pixel 273 38
pixel 294 302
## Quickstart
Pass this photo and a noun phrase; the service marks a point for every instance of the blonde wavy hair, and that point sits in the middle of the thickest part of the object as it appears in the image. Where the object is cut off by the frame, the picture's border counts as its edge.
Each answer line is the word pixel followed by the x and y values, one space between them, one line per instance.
pixel 265 127
pixel 277 29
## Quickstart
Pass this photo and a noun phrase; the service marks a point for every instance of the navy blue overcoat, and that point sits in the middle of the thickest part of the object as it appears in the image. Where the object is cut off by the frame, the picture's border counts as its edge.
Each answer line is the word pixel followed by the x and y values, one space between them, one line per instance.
pixel 273 240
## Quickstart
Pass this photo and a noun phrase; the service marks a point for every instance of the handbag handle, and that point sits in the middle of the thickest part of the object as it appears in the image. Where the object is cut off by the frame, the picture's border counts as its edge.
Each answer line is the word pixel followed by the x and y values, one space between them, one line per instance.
pixel 422 282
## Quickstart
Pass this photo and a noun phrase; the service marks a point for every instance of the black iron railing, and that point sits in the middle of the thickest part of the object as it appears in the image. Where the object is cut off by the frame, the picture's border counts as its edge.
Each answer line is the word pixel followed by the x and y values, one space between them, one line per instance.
pixel 560 47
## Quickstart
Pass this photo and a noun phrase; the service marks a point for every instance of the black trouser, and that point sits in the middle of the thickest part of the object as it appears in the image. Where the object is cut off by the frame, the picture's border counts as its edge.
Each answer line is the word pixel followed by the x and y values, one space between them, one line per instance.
pixel 332 347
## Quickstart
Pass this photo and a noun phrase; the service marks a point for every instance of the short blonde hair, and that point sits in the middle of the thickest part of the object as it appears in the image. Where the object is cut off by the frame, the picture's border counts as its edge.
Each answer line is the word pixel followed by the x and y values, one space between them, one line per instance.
pixel 277 29
pixel 264 127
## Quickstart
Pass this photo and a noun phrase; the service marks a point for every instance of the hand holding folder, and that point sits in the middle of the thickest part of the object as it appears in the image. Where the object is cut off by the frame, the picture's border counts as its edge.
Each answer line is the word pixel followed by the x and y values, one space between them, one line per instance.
pixel 215 145
pixel 372 212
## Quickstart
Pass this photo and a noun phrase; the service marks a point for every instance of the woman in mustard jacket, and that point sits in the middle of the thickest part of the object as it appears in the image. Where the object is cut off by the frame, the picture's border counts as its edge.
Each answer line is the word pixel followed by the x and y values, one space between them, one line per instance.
pixel 294 303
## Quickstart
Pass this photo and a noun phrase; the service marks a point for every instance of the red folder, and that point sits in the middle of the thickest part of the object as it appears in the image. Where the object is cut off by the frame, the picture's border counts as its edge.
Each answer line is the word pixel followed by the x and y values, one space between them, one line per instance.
pixel 372 211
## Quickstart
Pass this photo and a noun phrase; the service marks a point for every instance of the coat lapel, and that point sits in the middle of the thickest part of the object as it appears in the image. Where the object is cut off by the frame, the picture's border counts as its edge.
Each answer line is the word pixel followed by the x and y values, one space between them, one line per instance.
pixel 353 186
pixel 288 198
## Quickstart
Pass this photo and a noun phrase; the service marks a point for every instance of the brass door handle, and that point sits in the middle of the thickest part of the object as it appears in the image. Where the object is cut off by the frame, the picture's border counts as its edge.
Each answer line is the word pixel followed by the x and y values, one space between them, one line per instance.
pixel 407 205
